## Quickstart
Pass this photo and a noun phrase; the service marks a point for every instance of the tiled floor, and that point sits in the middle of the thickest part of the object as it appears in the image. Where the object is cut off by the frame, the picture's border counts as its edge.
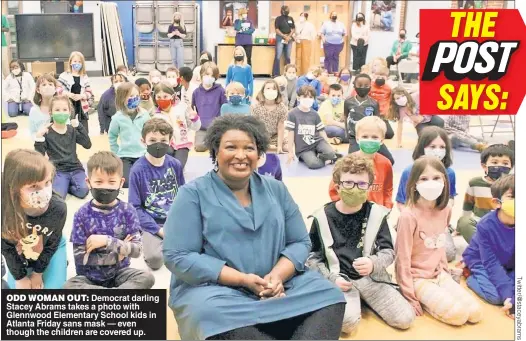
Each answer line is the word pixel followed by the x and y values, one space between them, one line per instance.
pixel 466 164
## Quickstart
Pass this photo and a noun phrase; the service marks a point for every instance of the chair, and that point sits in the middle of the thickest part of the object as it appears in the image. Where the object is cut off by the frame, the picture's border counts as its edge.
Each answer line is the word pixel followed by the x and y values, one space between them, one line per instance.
pixel 484 132
pixel 407 65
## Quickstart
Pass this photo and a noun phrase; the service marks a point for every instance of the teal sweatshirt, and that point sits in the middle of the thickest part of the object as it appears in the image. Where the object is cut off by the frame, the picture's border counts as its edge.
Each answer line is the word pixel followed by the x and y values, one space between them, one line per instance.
pixel 129 132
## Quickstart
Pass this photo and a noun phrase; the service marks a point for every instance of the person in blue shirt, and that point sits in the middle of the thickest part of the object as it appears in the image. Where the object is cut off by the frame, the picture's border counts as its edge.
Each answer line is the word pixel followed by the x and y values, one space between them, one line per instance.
pixel 235 94
pixel 433 141
pixel 490 256
pixel 311 78
pixel 240 71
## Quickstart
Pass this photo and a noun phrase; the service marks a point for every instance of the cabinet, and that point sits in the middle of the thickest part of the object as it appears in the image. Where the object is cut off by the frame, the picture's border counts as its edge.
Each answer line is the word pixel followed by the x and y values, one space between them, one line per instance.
pixel 262 58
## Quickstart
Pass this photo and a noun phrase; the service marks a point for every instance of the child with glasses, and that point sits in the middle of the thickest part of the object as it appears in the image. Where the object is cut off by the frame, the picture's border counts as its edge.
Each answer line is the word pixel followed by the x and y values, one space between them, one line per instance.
pixel 352 247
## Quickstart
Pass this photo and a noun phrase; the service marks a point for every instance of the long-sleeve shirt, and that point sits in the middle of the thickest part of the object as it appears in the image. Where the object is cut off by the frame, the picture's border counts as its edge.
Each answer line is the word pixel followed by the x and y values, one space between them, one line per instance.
pixel 182 124
pixel 478 198
pixel 237 109
pixel 381 191
pixel 359 32
pixel 35 250
pixel 420 247
pixel 19 88
pixel 243 75
pixel 315 83
pixel 62 148
pixel 244 30
pixel 402 47
pixel 116 223
pixel 107 103
pixel 208 103
pixel 306 31
pixel 67 80
pixel 129 132
pixel 153 190
pixel 493 247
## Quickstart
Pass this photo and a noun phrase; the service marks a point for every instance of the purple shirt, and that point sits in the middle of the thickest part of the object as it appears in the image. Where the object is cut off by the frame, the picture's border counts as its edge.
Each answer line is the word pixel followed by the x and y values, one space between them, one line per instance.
pixel 153 190
pixel 244 30
pixel 208 103
pixel 272 167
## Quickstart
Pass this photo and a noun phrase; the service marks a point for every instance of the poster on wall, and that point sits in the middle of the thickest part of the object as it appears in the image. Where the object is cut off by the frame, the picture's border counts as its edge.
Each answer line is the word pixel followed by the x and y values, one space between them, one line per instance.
pixel 473 4
pixel 383 15
pixel 228 12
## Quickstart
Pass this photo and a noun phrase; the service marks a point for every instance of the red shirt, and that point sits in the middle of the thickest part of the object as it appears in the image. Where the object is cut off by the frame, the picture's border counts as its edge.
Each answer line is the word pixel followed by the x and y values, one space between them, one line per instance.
pixel 381 191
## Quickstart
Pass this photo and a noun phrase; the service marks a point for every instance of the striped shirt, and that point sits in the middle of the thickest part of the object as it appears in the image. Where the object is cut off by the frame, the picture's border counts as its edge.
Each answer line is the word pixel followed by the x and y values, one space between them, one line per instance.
pixel 478 198
pixel 306 127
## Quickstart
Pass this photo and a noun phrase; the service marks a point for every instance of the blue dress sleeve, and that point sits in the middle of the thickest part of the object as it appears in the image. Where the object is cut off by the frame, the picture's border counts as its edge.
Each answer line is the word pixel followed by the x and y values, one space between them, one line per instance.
pixel 183 241
pixel 401 195
pixel 250 79
pixel 229 75
pixel 452 182
pixel 297 243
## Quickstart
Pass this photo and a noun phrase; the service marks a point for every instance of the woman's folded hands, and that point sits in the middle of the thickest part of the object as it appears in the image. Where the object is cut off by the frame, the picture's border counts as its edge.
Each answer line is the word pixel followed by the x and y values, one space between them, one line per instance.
pixel 271 286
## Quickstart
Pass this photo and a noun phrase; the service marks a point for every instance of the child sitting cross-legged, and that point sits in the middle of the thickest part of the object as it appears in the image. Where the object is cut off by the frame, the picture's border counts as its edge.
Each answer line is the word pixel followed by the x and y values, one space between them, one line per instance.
pixel 496 160
pixel 370 132
pixel 352 247
pixel 490 256
pixel 154 182
pixel 331 113
pixel 106 232
pixel 235 94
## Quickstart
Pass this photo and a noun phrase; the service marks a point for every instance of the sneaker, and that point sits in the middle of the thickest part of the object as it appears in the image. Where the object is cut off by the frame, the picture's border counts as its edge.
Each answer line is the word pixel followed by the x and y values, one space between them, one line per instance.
pixel 480 146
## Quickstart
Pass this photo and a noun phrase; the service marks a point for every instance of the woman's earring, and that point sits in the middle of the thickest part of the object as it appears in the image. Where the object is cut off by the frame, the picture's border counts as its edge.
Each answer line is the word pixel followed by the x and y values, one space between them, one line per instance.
pixel 216 167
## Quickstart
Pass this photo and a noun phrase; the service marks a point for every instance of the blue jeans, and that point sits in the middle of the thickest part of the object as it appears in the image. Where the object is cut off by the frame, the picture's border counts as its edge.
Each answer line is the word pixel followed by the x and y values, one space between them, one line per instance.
pixel 177 52
pixel 13 108
pixel 280 48
pixel 480 283
pixel 335 131
pixel 73 183
pixel 54 276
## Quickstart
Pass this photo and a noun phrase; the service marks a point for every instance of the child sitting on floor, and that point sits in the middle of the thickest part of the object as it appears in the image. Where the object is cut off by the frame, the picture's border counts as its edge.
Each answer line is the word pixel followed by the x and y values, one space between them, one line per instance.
pixel 145 91
pixel 154 182
pixel 311 79
pixel 106 232
pixel 421 265
pixel 235 94
pixel 154 77
pixel 40 115
pixel 490 256
pixel 352 247
pixel 497 160
pixel 331 113
pixel 270 165
pixel 106 107
pixel 370 132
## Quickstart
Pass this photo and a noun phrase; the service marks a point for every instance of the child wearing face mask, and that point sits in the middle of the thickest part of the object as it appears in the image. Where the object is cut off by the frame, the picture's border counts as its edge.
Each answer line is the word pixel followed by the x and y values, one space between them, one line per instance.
pixel 359 106
pixel 344 79
pixel 76 85
pixel 282 84
pixel 40 115
pixel 153 202
pixel 496 161
pixel 106 108
pixel 271 110
pixel 33 218
pixel 290 74
pixel 172 77
pixel 180 117
pixel 19 88
pixel 240 71
pixel 352 247
pixel 235 93
pixel 145 91
pixel 307 137
pixel 407 107
pixel 126 125
pixel 106 233
pixel 154 77
pixel 59 141
pixel 370 134
pixel 207 100
pixel 311 79
pixel 331 113
pixel 432 142
pixel 490 256
pixel 421 264
pixel 244 30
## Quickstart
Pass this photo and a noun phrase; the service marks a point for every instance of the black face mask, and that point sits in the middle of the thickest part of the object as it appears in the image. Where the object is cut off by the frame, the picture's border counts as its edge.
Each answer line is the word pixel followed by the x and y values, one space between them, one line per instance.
pixel 285 12
pixel 380 81
pixel 204 61
pixel 177 22
pixel 359 19
pixel 402 35
pixel 362 92
pixel 158 150
pixel 495 172
pixel 105 196
pixel 334 18
pixel 238 58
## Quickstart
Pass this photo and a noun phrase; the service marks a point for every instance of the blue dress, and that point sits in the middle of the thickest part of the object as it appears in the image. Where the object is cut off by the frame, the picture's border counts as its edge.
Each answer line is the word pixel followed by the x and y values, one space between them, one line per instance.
pixel 207 228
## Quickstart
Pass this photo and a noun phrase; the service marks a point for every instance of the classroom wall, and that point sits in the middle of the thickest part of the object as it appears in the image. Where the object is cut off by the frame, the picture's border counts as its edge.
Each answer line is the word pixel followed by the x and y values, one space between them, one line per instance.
pixel 125 10
pixel 380 42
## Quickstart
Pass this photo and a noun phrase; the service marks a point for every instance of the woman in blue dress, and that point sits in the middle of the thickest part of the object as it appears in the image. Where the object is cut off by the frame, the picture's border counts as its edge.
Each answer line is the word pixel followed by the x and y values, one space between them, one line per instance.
pixel 236 245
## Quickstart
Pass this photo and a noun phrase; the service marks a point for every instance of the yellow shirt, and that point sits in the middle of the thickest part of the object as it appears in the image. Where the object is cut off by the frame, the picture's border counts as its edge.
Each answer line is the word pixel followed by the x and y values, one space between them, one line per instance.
pixel 327 108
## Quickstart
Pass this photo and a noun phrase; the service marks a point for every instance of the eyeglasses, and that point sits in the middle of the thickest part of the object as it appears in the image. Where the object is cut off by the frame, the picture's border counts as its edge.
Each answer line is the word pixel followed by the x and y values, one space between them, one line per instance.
pixel 351 184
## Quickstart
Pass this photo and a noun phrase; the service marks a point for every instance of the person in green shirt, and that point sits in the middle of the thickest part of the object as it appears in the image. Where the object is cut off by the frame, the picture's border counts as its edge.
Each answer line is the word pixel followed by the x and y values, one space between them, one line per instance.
pixel 5 49
pixel 400 50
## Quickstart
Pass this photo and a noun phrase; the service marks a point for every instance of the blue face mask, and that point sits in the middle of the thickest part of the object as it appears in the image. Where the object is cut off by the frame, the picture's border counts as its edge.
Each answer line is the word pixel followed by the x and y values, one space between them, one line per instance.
pixel 76 66
pixel 133 102
pixel 235 99
pixel 336 100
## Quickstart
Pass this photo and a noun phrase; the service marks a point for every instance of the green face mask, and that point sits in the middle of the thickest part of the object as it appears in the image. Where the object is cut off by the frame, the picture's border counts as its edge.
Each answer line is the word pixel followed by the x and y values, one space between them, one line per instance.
pixel 369 146
pixel 353 196
pixel 60 117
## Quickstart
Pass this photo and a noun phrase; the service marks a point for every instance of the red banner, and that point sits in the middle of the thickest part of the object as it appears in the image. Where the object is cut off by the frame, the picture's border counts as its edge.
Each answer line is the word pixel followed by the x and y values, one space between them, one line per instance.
pixel 472 62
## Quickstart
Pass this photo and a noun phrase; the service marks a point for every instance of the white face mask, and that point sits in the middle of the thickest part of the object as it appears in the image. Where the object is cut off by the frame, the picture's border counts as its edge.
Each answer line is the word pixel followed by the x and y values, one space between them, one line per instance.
pixel 116 85
pixel 310 75
pixel 16 71
pixel 38 199
pixel 302 19
pixel 436 152
pixel 156 80
pixel 291 77
pixel 401 101
pixel 306 102
pixel 47 91
pixel 172 81
pixel 430 190
pixel 208 80
pixel 270 94
pixel 244 16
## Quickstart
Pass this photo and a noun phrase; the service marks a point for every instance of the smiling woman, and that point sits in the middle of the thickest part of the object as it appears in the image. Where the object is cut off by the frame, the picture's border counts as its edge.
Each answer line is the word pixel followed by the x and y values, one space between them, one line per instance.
pixel 248 280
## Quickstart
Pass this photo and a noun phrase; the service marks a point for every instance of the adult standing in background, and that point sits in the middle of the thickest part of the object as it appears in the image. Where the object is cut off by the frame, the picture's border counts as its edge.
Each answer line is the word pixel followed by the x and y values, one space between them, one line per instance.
pixel 359 41
pixel 5 48
pixel 400 50
pixel 332 33
pixel 285 29
pixel 177 32
pixel 244 30
pixel 305 34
